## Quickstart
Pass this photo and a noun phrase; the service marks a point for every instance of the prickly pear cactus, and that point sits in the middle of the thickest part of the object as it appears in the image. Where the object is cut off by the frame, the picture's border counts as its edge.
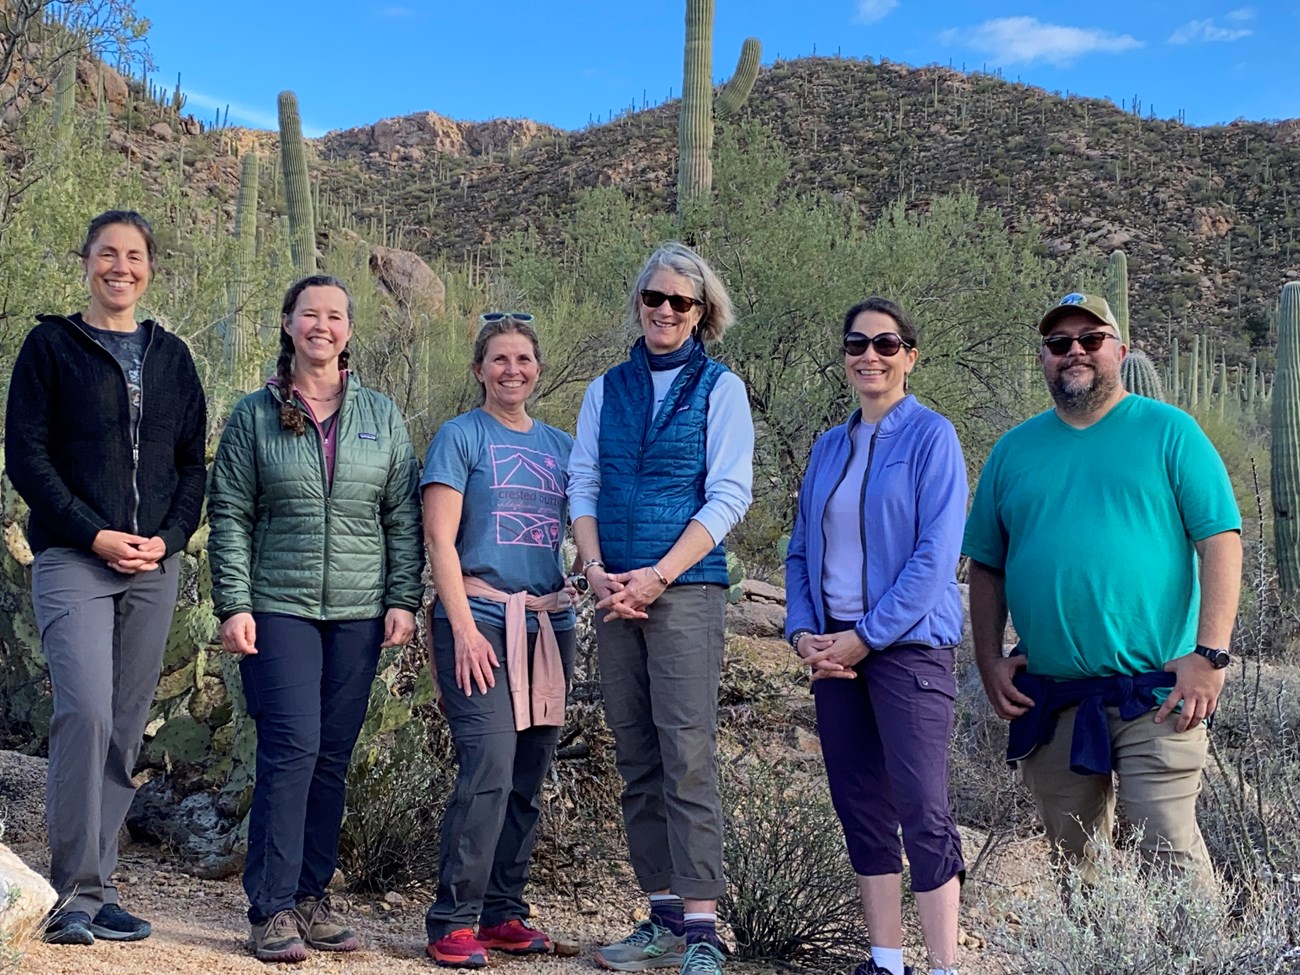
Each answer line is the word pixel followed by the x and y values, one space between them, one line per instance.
pixel 735 576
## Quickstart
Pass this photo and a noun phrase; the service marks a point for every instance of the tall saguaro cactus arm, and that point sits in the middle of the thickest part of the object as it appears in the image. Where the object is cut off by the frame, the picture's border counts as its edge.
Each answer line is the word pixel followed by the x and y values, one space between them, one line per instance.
pixel 695 127
pixel 297 187
pixel 732 97
pixel 239 340
pixel 1286 441
pixel 1117 291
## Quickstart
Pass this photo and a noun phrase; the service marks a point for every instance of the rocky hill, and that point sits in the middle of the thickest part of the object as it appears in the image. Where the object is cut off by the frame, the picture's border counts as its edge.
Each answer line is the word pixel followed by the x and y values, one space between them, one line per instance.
pixel 1206 215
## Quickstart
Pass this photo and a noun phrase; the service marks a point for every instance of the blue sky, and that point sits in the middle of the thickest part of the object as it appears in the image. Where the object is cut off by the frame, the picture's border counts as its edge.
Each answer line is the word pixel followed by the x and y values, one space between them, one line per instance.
pixel 353 63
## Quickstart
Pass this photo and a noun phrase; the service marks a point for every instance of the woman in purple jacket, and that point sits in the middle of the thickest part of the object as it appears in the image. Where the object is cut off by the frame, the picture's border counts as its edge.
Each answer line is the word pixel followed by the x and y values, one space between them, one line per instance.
pixel 874 612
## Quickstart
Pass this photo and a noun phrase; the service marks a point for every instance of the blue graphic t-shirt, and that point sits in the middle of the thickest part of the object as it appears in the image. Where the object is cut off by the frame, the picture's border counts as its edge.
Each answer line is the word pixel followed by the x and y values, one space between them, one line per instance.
pixel 514 511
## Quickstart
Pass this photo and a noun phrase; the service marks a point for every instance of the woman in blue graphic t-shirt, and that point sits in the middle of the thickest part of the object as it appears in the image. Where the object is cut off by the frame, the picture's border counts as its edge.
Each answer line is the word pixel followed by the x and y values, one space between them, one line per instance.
pixel 503 642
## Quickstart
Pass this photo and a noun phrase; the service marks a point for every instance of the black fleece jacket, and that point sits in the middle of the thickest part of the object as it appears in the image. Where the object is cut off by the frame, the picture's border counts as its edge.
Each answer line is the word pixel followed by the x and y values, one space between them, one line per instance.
pixel 70 450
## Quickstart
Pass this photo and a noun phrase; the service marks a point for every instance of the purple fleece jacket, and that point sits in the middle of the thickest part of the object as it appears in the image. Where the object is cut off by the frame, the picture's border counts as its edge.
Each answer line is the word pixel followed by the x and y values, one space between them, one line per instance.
pixel 913 513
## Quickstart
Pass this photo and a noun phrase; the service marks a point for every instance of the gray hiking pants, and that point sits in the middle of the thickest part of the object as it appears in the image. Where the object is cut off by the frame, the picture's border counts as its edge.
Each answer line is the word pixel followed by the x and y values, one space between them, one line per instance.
pixel 660 680
pixel 103 634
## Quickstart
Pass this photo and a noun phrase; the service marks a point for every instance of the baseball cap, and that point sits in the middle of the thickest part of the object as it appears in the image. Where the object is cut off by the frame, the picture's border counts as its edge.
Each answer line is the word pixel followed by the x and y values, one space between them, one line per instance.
pixel 1075 301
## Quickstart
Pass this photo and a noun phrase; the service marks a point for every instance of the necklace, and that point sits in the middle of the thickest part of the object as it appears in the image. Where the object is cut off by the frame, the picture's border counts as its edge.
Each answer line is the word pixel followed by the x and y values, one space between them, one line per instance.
pixel 323 399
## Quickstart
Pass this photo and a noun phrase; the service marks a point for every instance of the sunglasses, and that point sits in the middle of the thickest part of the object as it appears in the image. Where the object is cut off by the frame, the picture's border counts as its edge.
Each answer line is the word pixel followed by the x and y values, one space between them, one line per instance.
pixel 886 343
pixel 1088 341
pixel 678 303
pixel 500 316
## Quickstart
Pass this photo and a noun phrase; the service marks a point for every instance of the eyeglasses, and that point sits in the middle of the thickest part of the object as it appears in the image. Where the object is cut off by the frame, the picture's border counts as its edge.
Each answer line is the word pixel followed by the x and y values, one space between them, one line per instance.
pixel 500 316
pixel 678 303
pixel 886 343
pixel 1088 341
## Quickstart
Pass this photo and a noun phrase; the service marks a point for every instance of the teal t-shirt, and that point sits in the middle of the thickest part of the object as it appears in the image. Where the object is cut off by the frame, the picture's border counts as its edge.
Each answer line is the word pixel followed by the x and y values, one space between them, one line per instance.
pixel 1095 530
pixel 514 513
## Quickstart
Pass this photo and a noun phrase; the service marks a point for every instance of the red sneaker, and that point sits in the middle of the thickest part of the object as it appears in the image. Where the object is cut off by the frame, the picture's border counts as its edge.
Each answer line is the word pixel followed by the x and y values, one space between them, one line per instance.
pixel 514 938
pixel 459 949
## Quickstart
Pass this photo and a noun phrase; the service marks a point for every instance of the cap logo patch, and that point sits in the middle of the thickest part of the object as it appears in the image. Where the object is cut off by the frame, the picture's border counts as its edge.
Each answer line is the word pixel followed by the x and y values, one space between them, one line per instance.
pixel 1073 298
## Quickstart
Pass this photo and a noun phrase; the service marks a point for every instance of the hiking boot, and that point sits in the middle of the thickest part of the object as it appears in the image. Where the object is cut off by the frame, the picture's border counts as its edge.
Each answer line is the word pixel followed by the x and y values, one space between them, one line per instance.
pixel 702 958
pixel 514 938
pixel 458 949
pixel 68 928
pixel 649 946
pixel 319 928
pixel 279 938
pixel 115 923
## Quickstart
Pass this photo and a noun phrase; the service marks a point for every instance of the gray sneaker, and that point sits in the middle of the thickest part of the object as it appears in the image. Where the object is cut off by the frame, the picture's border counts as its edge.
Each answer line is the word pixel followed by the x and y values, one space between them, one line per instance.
pixel 279 938
pixel 649 946
pixel 702 958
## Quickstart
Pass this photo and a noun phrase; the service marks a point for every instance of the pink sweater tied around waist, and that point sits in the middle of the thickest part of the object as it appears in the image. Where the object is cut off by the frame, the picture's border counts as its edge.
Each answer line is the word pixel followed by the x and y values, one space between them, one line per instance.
pixel 539 700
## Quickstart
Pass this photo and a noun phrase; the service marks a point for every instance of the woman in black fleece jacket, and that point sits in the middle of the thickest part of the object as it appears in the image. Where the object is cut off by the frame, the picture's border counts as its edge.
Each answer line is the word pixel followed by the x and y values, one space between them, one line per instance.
pixel 104 436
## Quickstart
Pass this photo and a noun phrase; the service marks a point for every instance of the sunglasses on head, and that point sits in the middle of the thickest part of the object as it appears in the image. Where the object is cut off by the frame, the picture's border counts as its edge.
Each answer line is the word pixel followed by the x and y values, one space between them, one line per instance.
pixel 886 343
pixel 1088 341
pixel 678 303
pixel 500 316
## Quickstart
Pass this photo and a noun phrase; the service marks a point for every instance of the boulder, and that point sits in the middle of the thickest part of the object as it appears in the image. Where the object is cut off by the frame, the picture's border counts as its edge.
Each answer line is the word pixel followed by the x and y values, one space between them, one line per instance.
pixel 25 899
pixel 406 277
pixel 193 827
pixel 750 618
pixel 762 592
pixel 162 131
pixel 115 92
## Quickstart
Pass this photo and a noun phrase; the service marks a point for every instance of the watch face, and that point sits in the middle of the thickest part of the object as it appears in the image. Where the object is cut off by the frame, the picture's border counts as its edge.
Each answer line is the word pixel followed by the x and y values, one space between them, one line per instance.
pixel 1220 659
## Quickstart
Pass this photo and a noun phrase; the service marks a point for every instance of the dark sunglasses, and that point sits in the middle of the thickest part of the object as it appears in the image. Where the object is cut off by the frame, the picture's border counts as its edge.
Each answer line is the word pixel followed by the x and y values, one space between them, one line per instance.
pixel 886 343
pixel 678 303
pixel 500 316
pixel 1088 341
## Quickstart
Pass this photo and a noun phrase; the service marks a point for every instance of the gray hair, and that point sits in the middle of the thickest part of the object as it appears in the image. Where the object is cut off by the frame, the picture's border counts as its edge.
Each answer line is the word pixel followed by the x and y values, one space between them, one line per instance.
pixel 718 315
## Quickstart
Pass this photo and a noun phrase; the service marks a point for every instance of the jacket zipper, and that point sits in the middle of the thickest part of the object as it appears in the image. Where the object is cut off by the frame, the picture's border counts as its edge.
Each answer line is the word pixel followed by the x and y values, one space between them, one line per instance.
pixel 862 515
pixel 327 485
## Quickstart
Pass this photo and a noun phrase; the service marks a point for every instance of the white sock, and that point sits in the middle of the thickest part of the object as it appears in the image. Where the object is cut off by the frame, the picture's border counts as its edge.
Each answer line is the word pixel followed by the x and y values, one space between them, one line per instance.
pixel 656 898
pixel 890 959
pixel 943 971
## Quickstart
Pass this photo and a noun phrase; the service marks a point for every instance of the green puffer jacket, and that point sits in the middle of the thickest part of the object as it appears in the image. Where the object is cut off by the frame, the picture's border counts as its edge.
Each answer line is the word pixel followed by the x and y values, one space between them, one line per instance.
pixel 283 541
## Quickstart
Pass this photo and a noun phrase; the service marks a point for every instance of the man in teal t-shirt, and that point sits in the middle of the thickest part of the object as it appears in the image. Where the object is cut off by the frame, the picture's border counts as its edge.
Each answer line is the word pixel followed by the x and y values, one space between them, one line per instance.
pixel 1107 526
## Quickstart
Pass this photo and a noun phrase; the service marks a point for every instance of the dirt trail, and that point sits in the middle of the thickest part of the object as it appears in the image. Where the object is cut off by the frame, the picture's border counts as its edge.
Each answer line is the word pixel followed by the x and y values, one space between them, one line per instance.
pixel 199 929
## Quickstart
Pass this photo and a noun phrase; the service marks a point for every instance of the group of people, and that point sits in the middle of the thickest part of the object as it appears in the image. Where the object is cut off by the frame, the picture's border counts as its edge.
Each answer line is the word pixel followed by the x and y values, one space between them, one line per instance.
pixel 1106 527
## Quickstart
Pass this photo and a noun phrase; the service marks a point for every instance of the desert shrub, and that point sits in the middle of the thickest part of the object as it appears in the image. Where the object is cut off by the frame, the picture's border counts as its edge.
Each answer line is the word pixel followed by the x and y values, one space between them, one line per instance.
pixel 1131 918
pixel 791 896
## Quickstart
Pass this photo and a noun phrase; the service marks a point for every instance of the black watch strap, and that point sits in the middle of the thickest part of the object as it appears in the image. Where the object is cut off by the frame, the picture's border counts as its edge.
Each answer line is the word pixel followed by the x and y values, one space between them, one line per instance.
pixel 1219 657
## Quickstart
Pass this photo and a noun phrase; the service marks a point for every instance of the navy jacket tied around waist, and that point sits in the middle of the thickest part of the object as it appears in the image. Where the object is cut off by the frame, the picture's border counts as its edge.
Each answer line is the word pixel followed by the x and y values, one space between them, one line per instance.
pixel 1090 752
pixel 653 468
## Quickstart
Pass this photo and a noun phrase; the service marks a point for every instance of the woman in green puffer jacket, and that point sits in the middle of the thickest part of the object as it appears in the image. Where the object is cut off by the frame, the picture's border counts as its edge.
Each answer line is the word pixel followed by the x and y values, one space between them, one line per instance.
pixel 316 560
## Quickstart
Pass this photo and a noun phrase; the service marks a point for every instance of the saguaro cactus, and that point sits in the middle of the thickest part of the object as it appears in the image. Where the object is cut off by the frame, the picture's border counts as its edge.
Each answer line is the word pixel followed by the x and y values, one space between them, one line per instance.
pixel 1286 441
pixel 695 127
pixel 1117 291
pixel 297 187
pixel 734 92
pixel 239 340
pixel 65 101
pixel 1139 375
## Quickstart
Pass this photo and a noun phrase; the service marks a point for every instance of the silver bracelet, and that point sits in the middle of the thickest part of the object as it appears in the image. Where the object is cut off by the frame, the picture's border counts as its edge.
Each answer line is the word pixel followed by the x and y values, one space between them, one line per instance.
pixel 662 580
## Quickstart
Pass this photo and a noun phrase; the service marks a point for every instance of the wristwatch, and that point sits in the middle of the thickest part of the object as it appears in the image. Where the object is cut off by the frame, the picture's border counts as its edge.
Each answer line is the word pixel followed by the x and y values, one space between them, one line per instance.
pixel 1220 658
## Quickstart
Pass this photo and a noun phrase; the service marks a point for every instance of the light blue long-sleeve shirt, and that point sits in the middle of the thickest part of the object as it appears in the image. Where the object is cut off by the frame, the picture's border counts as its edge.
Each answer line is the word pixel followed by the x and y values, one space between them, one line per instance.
pixel 729 453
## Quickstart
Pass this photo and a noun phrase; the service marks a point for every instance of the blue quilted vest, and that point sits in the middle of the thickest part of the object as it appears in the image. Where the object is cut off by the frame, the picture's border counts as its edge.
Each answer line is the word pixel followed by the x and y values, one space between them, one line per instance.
pixel 652 469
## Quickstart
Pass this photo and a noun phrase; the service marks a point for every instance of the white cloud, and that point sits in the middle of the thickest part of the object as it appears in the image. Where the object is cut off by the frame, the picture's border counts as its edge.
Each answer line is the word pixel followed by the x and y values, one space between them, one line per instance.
pixel 1014 40
pixel 870 11
pixel 1206 31
pixel 242 114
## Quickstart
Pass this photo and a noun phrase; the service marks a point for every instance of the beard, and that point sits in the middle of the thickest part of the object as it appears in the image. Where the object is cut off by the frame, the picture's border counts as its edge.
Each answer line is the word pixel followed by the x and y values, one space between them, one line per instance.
pixel 1082 395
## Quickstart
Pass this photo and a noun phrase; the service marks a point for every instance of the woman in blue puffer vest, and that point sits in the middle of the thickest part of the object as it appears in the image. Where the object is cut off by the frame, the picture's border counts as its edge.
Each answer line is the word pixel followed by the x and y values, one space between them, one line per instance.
pixel 662 469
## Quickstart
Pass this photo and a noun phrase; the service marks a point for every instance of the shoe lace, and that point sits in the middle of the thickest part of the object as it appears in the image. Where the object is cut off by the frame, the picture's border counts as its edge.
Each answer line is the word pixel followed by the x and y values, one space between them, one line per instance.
pixel 701 959
pixel 285 921
pixel 645 933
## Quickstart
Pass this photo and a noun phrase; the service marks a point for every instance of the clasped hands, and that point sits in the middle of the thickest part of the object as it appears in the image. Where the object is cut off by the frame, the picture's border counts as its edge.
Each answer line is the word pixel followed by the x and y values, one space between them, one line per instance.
pixel 626 595
pixel 832 654
pixel 127 553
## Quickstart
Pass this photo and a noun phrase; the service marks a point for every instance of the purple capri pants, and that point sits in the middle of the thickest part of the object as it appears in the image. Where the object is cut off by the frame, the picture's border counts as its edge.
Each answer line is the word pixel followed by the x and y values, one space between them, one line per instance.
pixel 885 740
